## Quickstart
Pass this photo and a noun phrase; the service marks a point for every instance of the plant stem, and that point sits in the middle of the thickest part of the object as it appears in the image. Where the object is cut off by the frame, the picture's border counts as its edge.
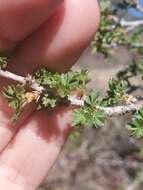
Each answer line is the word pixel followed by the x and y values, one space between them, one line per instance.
pixel 9 75
pixel 136 23
pixel 121 110
pixel 115 45
pixel 112 111
pixel 109 111
pixel 23 80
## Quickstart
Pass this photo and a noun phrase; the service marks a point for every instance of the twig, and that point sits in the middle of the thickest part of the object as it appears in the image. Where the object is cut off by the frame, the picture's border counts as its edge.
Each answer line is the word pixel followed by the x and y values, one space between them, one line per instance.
pixel 9 75
pixel 109 111
pixel 128 25
pixel 23 80
pixel 125 23
pixel 115 45
pixel 121 110
pixel 136 23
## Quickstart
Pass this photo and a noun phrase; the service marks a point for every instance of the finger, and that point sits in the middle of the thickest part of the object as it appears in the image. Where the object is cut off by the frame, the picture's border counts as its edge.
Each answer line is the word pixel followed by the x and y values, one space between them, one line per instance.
pixel 31 154
pixel 61 40
pixel 54 57
pixel 18 19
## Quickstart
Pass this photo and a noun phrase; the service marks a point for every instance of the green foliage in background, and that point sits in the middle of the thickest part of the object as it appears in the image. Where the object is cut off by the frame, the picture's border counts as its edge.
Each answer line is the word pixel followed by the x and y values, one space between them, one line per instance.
pixel 111 33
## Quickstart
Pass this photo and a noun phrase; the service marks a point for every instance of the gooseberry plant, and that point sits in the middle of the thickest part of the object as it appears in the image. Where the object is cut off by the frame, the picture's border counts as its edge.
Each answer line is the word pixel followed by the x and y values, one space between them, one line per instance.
pixel 49 89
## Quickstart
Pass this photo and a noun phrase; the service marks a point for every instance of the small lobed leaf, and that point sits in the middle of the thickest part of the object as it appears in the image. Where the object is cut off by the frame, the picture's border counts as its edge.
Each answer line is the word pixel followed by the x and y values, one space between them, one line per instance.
pixel 48 102
pixel 136 125
pixel 79 117
pixel 16 97
pixel 3 62
pixel 88 117
pixel 59 86
pixel 117 88
pixel 94 99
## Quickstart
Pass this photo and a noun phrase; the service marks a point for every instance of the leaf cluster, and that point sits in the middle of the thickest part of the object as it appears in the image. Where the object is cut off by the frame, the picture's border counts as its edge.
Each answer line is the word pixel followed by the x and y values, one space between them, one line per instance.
pixel 89 115
pixel 136 125
pixel 3 62
pixel 135 68
pixel 116 90
pixel 16 97
pixel 59 86
pixel 111 34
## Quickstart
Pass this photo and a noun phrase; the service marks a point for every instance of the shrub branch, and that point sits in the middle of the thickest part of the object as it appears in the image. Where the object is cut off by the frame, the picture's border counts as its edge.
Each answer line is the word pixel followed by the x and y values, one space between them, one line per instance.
pixel 74 100
pixel 23 80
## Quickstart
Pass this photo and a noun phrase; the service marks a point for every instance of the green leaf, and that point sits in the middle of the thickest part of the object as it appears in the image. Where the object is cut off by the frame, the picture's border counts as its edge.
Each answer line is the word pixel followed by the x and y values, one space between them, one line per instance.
pixel 88 117
pixel 62 84
pixel 136 125
pixel 94 99
pixel 16 97
pixel 117 88
pixel 79 117
pixel 48 101
pixel 3 62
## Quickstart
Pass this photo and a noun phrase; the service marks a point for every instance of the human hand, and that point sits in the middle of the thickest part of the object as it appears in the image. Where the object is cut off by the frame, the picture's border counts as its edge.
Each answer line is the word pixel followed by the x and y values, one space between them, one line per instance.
pixel 51 33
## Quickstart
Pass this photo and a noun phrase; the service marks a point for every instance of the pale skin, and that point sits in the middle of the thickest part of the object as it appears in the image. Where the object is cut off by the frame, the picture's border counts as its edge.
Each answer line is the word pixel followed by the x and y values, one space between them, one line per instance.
pixel 52 33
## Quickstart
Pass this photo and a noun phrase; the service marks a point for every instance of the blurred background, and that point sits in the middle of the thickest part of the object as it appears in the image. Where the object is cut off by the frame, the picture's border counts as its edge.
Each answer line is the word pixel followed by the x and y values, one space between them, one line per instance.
pixel 107 158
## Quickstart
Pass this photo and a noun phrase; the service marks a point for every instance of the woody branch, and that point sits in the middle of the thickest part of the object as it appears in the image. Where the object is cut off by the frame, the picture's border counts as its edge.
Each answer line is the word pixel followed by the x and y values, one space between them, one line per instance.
pixel 109 111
